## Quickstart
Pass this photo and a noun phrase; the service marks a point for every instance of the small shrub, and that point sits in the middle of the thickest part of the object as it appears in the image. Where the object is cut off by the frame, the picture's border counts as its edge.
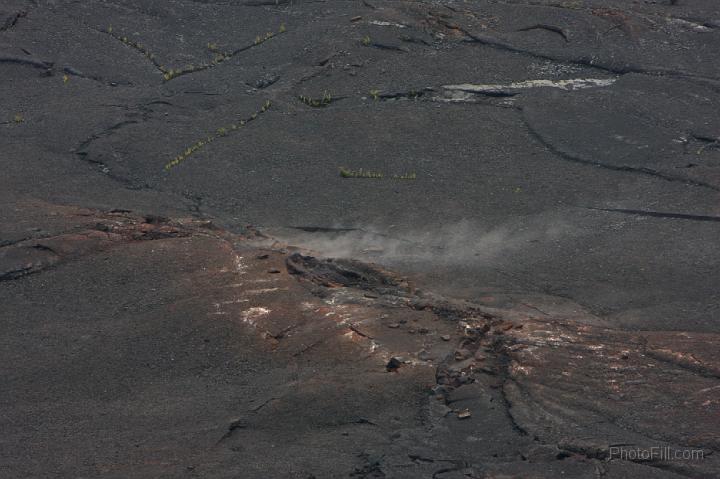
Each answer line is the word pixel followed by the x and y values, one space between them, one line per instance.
pixel 360 173
pixel 317 103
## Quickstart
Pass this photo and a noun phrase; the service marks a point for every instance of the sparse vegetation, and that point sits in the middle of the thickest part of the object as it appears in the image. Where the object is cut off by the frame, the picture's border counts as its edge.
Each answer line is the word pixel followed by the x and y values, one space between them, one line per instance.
pixel 360 173
pixel 218 55
pixel 136 46
pixel 219 133
pixel 317 103
pixel 18 118
pixel 369 174
pixel 366 40
pixel 375 94
pixel 259 39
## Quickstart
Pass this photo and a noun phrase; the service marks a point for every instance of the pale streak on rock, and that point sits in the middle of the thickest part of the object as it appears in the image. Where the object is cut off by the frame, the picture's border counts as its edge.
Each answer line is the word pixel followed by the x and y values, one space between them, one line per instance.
pixel 263 290
pixel 387 24
pixel 251 315
pixel 571 84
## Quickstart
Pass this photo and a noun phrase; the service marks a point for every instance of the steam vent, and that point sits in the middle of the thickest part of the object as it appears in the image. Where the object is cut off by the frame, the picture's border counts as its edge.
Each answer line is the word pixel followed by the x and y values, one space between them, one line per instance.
pixel 326 239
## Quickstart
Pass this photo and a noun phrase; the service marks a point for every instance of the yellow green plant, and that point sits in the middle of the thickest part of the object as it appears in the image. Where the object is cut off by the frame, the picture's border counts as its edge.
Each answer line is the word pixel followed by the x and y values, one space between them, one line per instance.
pixel 360 173
pixel 369 174
pixel 218 57
pixel 219 133
pixel 138 47
pixel 324 101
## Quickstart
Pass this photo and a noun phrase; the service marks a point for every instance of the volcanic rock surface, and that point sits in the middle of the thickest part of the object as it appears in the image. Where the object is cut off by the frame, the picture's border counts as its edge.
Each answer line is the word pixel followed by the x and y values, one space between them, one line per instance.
pixel 515 275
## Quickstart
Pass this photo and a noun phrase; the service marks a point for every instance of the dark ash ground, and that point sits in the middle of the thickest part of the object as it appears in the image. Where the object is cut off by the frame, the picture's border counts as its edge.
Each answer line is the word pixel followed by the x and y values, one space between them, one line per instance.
pixel 556 261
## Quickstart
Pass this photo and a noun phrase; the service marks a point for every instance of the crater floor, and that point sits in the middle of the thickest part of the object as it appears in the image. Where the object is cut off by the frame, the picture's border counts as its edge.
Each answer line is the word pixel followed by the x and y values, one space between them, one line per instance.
pixel 483 242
